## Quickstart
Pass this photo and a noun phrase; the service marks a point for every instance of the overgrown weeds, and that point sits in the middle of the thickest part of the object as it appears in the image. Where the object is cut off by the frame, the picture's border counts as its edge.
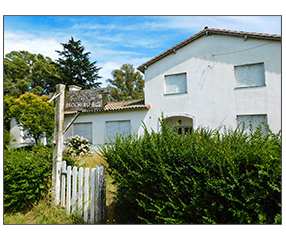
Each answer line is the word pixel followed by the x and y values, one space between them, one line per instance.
pixel 42 213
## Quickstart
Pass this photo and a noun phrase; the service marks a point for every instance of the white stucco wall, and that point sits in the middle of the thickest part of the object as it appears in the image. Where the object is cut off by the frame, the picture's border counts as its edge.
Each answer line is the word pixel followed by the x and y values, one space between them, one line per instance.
pixel 16 136
pixel 99 120
pixel 212 99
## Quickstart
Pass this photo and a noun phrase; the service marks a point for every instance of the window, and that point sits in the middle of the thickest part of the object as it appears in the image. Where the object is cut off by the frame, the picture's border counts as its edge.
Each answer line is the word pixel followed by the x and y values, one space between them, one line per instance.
pixel 255 121
pixel 83 129
pixel 117 127
pixel 250 75
pixel 176 84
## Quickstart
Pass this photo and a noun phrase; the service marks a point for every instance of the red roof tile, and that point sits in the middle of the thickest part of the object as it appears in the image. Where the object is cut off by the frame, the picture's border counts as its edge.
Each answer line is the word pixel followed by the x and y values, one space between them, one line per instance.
pixel 209 31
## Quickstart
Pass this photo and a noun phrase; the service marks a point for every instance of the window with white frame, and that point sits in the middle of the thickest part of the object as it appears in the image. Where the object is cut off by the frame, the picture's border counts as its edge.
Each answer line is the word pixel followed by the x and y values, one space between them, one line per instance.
pixel 255 120
pixel 116 127
pixel 83 129
pixel 176 84
pixel 250 75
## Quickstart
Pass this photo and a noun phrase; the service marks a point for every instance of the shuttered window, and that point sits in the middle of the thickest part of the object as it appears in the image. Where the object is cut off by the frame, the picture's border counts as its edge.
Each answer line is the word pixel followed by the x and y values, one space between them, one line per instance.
pixel 250 75
pixel 175 84
pixel 117 127
pixel 83 129
pixel 256 120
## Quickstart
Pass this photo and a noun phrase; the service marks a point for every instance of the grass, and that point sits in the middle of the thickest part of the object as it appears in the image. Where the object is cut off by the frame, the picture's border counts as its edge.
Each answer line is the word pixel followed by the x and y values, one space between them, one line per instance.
pixel 45 213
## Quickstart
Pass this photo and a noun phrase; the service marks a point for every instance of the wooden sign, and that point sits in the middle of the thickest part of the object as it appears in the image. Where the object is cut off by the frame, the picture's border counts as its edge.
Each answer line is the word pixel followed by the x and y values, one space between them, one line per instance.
pixel 88 99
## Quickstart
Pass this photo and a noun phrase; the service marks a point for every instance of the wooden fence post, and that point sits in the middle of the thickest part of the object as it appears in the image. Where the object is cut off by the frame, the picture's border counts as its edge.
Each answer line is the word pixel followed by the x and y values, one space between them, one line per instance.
pixel 59 142
pixel 100 195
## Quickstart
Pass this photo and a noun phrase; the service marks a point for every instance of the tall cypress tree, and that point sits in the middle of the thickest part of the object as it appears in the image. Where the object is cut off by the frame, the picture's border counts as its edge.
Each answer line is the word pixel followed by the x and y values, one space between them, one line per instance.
pixel 76 67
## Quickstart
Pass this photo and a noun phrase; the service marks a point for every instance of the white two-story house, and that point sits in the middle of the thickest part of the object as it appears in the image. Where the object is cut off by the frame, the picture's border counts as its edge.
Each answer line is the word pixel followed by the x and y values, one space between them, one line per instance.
pixel 216 77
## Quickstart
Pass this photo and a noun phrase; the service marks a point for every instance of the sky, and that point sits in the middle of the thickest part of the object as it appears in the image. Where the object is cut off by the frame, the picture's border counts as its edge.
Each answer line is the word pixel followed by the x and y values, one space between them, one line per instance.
pixel 115 40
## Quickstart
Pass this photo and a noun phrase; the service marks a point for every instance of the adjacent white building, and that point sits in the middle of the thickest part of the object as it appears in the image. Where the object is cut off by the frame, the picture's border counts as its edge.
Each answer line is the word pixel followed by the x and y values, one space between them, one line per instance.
pixel 216 77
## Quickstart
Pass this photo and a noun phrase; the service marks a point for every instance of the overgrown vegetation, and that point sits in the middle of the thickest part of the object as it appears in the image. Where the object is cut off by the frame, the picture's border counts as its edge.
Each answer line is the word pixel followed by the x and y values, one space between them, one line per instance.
pixel 27 176
pixel 43 213
pixel 27 182
pixel 221 176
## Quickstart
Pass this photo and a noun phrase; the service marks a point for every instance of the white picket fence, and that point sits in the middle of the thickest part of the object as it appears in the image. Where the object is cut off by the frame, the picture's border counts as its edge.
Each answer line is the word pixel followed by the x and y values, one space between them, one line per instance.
pixel 83 192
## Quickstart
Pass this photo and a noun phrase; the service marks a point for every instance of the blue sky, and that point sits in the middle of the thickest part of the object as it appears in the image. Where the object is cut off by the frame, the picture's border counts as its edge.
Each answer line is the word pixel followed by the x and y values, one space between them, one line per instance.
pixel 115 40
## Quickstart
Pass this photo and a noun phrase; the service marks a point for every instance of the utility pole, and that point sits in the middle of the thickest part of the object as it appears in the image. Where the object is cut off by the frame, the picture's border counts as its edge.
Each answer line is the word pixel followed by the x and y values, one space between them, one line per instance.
pixel 58 142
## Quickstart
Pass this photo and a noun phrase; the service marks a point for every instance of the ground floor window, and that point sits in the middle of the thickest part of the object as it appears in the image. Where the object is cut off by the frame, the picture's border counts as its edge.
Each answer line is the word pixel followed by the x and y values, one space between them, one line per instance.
pixel 255 120
pixel 83 129
pixel 117 127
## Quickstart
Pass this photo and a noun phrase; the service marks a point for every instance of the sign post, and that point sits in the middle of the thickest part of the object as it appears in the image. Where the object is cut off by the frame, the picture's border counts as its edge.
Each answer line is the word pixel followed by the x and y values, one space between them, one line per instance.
pixel 89 99
pixel 58 142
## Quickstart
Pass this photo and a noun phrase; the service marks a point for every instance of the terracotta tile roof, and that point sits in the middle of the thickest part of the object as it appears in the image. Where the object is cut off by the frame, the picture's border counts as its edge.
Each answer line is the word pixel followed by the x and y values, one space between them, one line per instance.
pixel 117 106
pixel 209 31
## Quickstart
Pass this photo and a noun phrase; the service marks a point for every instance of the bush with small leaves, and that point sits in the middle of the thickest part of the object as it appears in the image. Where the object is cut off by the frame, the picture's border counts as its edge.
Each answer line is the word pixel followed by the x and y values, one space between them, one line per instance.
pixel 222 176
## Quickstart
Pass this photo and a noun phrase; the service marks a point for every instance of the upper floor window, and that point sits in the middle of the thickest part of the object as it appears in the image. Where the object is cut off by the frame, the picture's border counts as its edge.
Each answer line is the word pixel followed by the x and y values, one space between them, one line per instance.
pixel 250 75
pixel 176 84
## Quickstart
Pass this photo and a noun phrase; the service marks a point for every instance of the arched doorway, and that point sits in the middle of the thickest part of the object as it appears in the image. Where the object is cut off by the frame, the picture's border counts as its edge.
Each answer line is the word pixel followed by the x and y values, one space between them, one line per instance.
pixel 185 123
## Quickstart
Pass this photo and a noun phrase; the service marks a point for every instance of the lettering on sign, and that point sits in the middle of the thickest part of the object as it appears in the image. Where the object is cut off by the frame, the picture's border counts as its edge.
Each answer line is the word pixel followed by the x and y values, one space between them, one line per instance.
pixel 86 99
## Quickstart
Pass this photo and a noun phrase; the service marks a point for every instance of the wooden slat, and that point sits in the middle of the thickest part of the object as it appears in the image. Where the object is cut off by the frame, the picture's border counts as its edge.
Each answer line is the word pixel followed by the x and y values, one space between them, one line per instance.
pixel 86 194
pixel 100 197
pixel 68 189
pixel 92 195
pixel 74 189
pixel 80 190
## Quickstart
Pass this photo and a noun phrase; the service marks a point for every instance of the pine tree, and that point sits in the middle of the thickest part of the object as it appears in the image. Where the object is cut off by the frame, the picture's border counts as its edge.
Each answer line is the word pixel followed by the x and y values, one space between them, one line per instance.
pixel 76 67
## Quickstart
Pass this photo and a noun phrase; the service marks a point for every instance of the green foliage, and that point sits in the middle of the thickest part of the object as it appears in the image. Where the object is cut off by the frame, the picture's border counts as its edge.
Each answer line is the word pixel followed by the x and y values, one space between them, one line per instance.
pixel 27 176
pixel 75 66
pixel 35 115
pixel 78 146
pixel 221 176
pixel 24 72
pixel 8 103
pixel 126 84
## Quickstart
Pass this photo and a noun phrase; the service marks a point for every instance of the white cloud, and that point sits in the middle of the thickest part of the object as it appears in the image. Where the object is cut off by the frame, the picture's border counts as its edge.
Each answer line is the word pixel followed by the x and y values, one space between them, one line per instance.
pixel 31 43
pixel 263 24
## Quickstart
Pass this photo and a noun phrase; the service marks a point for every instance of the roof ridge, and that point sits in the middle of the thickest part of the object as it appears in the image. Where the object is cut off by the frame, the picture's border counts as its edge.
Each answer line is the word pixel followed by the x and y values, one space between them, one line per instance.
pixel 208 31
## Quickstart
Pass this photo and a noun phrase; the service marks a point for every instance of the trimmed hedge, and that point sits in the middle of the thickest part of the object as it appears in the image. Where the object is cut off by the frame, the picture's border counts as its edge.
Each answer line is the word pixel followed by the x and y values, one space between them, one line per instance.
pixel 27 176
pixel 221 176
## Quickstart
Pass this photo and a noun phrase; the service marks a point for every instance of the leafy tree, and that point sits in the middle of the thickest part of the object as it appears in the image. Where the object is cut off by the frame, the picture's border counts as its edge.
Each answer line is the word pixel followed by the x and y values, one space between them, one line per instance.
pixel 8 103
pixel 75 66
pixel 25 72
pixel 35 115
pixel 126 84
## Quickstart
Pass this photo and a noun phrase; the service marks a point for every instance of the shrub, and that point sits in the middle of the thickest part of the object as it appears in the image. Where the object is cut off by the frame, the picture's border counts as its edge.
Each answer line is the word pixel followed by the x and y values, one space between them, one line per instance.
pixel 27 176
pixel 208 176
pixel 78 146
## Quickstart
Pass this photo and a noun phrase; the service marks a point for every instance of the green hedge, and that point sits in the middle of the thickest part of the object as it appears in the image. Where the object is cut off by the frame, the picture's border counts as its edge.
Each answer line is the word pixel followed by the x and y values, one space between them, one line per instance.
pixel 208 176
pixel 27 176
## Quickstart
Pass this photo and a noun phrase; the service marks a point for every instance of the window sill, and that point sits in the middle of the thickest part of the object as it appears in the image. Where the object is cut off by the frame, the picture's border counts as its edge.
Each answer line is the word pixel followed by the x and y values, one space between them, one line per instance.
pixel 249 87
pixel 166 94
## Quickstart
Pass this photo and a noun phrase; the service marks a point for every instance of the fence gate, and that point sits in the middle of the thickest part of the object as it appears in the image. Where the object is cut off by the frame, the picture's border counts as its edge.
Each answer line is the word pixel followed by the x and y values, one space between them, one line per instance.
pixel 83 192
